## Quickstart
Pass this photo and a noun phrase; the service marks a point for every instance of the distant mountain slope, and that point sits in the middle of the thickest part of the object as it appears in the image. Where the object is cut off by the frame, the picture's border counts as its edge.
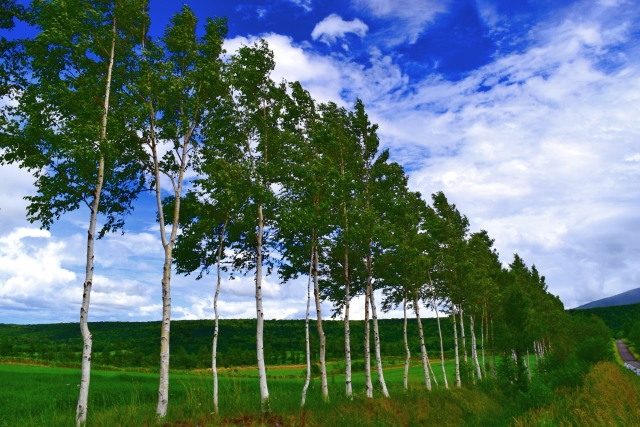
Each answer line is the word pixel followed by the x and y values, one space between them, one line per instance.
pixel 625 298
pixel 615 316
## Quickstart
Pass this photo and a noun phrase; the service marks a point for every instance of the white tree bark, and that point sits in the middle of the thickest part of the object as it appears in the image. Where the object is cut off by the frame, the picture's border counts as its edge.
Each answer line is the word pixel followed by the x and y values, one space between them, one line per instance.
pixel 407 361
pixel 433 376
pixel 214 347
pixel 347 333
pixel 306 333
pixel 463 333
pixel 423 349
pixel 323 339
pixel 163 390
pixel 262 371
pixel 376 336
pixel 347 304
pixel 455 341
pixel 367 353
pixel 444 373
pixel 474 351
pixel 87 338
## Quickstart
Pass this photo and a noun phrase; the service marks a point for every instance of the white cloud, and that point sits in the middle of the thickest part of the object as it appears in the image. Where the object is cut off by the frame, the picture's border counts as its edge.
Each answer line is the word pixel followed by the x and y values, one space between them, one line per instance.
pixel 546 160
pixel 329 78
pixel 408 18
pixel 333 27
pixel 305 4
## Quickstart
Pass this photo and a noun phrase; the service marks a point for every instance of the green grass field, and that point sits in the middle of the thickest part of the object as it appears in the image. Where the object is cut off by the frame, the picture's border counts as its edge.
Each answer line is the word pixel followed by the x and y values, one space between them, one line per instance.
pixel 42 396
pixel 33 396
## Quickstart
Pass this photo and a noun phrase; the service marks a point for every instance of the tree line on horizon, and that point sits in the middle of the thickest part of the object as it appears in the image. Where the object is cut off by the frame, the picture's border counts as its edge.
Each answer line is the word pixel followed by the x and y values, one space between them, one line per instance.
pixel 100 112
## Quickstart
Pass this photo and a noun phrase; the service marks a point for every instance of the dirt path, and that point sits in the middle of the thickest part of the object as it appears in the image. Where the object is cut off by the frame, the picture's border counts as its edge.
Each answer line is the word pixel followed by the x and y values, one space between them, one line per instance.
pixel 626 355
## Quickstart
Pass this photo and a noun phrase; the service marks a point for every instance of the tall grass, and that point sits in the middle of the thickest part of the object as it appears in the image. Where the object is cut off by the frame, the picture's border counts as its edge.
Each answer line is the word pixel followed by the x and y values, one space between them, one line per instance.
pixel 609 396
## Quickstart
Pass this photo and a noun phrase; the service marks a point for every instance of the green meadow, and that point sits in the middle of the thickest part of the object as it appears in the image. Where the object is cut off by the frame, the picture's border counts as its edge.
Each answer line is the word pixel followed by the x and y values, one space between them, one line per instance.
pixel 42 396
pixel 46 396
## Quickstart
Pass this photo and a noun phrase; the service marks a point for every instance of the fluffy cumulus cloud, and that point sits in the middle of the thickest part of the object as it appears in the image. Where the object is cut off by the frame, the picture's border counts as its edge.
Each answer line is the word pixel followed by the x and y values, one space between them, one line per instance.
pixel 539 147
pixel 329 78
pixel 333 27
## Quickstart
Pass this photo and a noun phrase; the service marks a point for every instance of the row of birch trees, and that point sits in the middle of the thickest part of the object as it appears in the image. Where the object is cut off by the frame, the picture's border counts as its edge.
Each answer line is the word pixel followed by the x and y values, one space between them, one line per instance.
pixel 100 112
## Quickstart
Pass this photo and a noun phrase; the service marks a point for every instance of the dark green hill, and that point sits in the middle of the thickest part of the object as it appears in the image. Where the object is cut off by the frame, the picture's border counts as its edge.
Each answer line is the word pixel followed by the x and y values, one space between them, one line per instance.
pixel 616 317
pixel 137 343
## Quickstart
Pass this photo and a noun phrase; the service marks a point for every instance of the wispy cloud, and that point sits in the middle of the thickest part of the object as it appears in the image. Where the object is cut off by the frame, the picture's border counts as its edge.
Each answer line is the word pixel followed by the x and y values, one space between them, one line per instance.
pixel 305 4
pixel 406 19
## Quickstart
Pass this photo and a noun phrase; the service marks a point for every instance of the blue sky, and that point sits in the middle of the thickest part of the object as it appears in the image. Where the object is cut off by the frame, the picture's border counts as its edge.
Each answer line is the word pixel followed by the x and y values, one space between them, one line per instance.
pixel 526 114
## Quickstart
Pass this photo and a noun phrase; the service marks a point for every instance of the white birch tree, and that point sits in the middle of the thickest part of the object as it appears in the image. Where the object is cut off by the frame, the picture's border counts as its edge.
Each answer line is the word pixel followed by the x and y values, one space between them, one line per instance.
pixel 66 125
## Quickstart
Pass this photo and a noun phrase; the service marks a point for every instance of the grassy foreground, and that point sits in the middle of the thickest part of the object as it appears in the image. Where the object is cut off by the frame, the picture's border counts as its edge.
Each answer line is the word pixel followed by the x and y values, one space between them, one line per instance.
pixel 43 396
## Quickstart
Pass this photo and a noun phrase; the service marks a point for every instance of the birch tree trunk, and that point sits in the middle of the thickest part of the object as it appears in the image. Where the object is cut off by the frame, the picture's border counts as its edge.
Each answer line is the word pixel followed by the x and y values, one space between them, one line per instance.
pixel 163 390
pixel 433 376
pixel 376 337
pixel 455 341
pixel 306 335
pixel 87 338
pixel 423 349
pixel 474 351
pixel 262 372
pixel 214 347
pixel 347 304
pixel 444 373
pixel 527 365
pixel 347 330
pixel 367 353
pixel 323 339
pixel 462 333
pixel 407 361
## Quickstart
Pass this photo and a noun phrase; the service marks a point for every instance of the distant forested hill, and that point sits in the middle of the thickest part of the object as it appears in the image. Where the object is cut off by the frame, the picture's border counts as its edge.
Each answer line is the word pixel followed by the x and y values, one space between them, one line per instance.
pixel 616 317
pixel 137 343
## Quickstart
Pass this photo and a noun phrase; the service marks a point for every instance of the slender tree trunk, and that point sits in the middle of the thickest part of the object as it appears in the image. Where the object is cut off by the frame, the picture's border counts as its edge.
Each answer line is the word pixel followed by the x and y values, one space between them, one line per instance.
pixel 464 343
pixel 423 349
pixel 474 351
pixel 455 341
pixel 376 336
pixel 527 364
pixel 306 333
pixel 87 338
pixel 262 372
pixel 214 348
pixel 347 332
pixel 323 339
pixel 463 333
pixel 163 390
pixel 407 361
pixel 444 373
pixel 433 376
pixel 367 352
